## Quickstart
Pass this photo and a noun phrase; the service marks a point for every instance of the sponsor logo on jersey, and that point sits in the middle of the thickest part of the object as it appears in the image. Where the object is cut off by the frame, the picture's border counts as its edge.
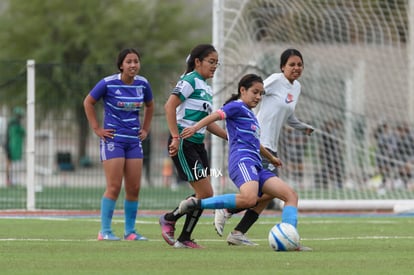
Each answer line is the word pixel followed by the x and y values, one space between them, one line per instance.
pixel 289 98
pixel 129 106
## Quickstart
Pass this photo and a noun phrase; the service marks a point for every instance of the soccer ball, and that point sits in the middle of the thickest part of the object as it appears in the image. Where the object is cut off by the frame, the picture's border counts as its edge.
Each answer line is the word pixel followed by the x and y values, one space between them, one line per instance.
pixel 284 237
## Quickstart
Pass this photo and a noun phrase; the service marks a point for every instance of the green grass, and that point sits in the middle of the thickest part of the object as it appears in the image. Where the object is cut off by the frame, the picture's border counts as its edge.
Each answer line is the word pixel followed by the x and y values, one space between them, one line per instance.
pixel 89 198
pixel 342 245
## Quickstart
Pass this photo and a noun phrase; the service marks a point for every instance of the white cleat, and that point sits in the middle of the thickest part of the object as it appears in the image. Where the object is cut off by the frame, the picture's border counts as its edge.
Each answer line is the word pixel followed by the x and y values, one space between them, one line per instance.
pixel 221 216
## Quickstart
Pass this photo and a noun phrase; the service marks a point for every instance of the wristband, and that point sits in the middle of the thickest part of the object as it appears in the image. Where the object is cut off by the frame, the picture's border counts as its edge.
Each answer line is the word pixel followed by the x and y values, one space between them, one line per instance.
pixel 221 114
pixel 177 137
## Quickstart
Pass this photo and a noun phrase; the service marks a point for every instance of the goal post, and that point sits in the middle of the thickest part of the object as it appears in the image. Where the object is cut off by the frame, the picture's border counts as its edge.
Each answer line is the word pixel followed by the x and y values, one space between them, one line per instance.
pixel 357 91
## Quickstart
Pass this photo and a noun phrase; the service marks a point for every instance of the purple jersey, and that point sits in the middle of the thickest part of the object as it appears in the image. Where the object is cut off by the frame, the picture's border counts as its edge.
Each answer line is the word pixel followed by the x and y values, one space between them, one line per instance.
pixel 122 104
pixel 243 133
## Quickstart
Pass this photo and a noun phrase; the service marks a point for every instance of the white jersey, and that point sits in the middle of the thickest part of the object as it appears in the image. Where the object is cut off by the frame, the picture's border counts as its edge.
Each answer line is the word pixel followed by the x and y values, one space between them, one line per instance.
pixel 278 107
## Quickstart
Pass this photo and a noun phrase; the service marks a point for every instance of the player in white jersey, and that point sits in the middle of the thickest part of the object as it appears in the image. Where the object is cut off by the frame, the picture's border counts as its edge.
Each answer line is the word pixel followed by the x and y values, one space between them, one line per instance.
pixel 277 107
pixel 189 102
pixel 121 134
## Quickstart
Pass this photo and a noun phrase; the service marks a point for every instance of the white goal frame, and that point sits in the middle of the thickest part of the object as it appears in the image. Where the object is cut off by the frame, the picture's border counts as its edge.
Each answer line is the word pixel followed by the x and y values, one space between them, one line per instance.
pixel 222 27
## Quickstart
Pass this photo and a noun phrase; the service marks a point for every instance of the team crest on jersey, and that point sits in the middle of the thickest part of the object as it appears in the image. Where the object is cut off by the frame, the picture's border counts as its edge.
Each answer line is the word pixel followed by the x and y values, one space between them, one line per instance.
pixel 139 91
pixel 289 98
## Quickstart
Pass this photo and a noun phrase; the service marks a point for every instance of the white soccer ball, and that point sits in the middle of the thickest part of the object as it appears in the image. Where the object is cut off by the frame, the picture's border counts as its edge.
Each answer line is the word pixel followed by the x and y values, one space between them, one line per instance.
pixel 284 237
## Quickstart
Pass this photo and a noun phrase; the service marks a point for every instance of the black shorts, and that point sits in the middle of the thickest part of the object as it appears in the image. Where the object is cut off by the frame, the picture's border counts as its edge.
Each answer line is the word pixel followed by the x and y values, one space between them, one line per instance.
pixel 191 161
pixel 267 165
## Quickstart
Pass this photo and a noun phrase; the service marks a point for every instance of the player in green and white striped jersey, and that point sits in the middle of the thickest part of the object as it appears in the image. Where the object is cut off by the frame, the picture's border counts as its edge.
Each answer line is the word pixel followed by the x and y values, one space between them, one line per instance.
pixel 189 102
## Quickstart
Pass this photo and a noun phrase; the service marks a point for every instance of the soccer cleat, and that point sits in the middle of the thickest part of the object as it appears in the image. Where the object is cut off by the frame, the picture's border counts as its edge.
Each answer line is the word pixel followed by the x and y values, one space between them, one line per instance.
pixel 187 244
pixel 221 216
pixel 302 248
pixel 107 236
pixel 239 238
pixel 188 205
pixel 167 230
pixel 134 236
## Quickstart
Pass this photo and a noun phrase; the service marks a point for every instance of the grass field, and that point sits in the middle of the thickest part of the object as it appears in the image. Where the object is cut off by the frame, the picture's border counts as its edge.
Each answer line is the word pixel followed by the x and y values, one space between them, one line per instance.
pixel 89 198
pixel 346 244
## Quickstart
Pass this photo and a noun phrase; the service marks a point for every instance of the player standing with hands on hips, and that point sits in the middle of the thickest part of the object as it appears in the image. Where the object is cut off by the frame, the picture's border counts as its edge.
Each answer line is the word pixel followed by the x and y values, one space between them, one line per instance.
pixel 245 168
pixel 277 107
pixel 189 102
pixel 123 95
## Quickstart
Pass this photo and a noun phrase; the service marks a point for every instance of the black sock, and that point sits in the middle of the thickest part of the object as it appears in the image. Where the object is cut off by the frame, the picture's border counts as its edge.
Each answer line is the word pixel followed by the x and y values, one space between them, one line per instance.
pixel 190 222
pixel 249 218
pixel 236 210
pixel 175 215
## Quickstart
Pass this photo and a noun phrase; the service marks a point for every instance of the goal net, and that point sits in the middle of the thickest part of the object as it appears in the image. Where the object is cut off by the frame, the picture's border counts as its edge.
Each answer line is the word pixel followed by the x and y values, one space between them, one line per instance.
pixel 357 91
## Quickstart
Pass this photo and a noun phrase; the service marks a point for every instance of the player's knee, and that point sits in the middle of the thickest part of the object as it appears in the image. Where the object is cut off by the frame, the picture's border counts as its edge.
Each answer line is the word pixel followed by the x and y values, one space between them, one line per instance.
pixel 292 196
pixel 248 201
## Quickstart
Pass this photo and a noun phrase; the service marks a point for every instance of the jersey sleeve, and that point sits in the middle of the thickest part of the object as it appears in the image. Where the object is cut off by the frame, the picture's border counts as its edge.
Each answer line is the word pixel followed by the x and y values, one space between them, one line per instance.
pixel 148 96
pixel 231 110
pixel 270 83
pixel 99 90
pixel 183 90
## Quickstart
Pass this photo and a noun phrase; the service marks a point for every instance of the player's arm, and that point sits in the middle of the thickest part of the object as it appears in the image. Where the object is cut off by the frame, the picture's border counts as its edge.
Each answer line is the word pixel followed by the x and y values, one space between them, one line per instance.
pixel 215 129
pixel 89 106
pixel 170 113
pixel 274 160
pixel 189 131
pixel 295 123
pixel 146 125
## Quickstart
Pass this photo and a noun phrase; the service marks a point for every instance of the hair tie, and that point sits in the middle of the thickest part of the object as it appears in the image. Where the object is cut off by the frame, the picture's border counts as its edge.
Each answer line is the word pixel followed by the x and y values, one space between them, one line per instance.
pixel 188 58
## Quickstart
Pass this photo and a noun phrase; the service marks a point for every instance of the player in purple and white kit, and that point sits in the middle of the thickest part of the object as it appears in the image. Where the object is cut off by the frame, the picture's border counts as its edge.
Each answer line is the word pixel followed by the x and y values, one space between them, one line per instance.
pixel 254 182
pixel 276 109
pixel 123 96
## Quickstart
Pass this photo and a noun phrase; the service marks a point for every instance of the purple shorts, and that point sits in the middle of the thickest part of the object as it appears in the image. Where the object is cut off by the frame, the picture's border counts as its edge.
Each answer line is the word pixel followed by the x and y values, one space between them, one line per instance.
pixel 111 150
pixel 245 171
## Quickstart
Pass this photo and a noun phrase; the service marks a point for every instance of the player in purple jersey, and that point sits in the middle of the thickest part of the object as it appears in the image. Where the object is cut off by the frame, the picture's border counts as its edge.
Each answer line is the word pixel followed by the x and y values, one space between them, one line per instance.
pixel 277 108
pixel 254 182
pixel 123 96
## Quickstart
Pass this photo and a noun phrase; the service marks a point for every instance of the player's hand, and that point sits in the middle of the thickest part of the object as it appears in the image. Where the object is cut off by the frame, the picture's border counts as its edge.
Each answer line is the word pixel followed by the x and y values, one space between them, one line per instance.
pixel 142 134
pixel 308 131
pixel 276 162
pixel 188 132
pixel 173 147
pixel 105 133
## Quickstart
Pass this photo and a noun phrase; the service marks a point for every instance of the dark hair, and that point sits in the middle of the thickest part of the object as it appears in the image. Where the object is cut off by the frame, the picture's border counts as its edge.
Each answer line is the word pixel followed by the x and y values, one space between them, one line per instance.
pixel 288 53
pixel 246 81
pixel 123 54
pixel 200 52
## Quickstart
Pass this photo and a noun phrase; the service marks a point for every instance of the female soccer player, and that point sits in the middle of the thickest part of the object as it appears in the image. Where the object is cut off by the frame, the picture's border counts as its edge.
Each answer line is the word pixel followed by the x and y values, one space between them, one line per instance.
pixel 277 107
pixel 189 102
pixel 123 96
pixel 254 182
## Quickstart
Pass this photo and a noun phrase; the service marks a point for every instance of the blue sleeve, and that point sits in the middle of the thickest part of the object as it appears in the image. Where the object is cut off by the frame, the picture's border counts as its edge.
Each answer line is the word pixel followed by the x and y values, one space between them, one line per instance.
pixel 231 109
pixel 148 93
pixel 99 90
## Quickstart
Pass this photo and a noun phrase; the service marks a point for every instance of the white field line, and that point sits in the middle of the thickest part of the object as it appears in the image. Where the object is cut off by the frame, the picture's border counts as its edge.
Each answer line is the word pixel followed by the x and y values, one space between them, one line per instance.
pixel 222 240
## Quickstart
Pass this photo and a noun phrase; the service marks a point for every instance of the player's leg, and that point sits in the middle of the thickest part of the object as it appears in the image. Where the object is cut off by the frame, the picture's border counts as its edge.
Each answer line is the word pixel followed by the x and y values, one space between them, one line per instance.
pixel 132 181
pixel 113 172
pixel 221 216
pixel 202 188
pixel 192 165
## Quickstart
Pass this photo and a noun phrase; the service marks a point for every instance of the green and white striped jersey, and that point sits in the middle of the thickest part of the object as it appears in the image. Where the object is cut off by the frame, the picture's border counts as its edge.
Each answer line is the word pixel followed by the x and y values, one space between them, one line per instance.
pixel 196 103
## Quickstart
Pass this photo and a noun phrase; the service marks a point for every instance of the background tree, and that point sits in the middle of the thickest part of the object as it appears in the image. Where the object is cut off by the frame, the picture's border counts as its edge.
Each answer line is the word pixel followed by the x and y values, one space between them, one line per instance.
pixel 75 44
